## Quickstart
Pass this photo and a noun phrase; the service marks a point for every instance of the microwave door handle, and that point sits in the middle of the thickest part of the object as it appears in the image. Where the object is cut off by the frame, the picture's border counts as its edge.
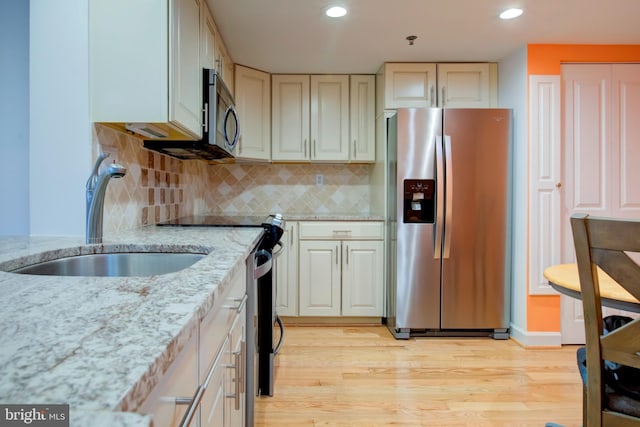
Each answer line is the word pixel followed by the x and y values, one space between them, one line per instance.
pixel 231 111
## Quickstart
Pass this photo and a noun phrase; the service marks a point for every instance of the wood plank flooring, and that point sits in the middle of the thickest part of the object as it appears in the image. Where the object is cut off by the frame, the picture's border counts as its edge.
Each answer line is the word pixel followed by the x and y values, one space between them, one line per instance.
pixel 362 376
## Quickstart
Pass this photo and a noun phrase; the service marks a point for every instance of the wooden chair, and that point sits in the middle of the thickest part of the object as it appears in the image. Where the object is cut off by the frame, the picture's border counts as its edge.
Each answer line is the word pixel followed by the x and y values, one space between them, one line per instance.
pixel 603 243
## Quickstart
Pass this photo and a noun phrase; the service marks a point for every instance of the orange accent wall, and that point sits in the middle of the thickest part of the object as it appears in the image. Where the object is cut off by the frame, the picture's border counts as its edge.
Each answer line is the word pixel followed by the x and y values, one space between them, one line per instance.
pixel 543 311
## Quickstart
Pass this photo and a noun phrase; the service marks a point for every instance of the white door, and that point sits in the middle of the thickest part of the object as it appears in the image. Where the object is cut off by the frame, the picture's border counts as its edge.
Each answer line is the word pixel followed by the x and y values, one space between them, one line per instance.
pixel 601 154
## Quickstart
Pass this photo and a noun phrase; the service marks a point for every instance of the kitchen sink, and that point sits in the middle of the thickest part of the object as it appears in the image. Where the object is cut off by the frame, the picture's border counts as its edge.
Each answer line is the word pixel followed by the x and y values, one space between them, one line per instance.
pixel 114 264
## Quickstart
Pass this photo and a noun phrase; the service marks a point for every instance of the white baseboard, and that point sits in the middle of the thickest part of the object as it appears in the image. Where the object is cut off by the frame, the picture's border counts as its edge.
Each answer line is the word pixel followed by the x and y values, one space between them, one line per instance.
pixel 535 339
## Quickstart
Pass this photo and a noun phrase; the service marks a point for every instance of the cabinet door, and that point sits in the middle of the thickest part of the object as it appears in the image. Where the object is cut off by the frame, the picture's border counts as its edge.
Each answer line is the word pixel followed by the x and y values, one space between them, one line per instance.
pixel 320 269
pixel 290 117
pixel 464 85
pixel 213 404
pixel 286 264
pixel 180 380
pixel 409 85
pixel 362 113
pixel 207 38
pixel 253 102
pixel 236 397
pixel 362 278
pixel 185 75
pixel 330 118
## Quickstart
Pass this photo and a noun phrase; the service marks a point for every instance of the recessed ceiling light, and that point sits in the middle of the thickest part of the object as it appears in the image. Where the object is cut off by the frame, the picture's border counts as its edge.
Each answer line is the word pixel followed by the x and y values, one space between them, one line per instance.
pixel 336 11
pixel 511 13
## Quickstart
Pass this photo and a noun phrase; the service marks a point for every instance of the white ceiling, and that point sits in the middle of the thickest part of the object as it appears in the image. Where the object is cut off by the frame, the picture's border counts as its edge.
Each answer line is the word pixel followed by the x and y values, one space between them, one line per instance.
pixel 294 36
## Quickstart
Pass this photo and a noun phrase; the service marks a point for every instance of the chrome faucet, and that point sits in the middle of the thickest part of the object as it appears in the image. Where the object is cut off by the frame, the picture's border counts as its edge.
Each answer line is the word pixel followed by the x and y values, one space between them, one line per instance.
pixel 96 189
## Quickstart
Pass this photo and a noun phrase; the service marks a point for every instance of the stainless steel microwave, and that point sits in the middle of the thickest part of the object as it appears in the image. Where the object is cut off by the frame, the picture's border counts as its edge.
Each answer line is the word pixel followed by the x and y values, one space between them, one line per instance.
pixel 221 126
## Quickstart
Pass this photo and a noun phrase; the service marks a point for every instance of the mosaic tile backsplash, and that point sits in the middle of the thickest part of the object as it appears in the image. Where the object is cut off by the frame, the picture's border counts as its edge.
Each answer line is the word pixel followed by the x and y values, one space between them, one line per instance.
pixel 158 187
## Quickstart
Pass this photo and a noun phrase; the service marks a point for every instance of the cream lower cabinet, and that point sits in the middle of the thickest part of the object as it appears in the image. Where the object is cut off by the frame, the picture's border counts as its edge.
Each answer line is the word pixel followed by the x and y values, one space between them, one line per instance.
pixel 286 267
pixel 341 269
pixel 180 381
pixel 210 370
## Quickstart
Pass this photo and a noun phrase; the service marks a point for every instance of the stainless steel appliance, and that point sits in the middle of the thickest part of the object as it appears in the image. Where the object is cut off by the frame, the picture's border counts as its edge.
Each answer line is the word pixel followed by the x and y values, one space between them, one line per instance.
pixel 449 222
pixel 221 128
pixel 262 341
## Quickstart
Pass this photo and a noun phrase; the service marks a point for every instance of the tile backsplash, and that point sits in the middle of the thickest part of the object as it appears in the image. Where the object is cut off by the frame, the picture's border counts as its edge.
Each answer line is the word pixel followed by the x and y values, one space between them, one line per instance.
pixel 158 187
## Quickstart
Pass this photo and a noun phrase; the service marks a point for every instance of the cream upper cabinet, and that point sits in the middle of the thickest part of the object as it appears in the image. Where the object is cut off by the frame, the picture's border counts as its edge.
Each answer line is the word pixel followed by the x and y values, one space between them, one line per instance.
pixel 207 38
pixel 362 115
pixel 145 64
pixel 464 85
pixel 186 86
pixel 341 268
pixel 310 118
pixel 409 85
pixel 253 102
pixel 330 117
pixel 423 85
pixel 290 117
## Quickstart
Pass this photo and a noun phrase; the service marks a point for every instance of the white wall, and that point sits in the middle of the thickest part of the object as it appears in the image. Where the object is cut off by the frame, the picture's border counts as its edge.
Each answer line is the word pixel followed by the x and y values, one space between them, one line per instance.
pixel 60 133
pixel 14 117
pixel 512 92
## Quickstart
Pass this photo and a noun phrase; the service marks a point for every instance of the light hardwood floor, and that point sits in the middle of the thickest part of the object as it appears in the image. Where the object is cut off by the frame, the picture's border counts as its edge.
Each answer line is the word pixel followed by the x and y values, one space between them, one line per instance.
pixel 362 376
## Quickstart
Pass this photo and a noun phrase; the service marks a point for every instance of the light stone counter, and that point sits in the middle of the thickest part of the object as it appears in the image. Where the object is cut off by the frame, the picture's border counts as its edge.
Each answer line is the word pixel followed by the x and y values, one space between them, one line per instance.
pixel 101 344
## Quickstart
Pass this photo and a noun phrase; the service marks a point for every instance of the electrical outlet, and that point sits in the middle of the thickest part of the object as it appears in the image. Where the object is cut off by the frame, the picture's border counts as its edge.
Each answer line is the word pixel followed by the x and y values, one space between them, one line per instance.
pixel 319 180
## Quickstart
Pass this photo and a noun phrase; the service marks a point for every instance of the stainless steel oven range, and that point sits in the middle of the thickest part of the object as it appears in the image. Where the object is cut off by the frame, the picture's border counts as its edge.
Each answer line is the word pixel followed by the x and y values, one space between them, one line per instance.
pixel 263 342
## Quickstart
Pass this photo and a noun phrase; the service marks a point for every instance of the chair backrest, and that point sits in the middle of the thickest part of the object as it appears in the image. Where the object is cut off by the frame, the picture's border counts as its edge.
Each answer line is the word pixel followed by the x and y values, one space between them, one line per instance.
pixel 603 243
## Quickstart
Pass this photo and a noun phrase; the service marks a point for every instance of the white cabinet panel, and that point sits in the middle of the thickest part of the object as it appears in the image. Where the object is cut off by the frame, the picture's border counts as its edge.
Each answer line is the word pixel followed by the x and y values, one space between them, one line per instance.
pixel 409 85
pixel 330 117
pixel 463 85
pixel 362 114
pixel 253 102
pixel 341 268
pixel 185 88
pixel 286 265
pixel 290 117
pixel 180 380
pixel 362 281
pixel 320 269
pixel 145 64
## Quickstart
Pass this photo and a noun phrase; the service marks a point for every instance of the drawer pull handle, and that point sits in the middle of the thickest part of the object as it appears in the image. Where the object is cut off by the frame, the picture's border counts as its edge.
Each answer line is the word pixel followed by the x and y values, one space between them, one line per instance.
pixel 193 403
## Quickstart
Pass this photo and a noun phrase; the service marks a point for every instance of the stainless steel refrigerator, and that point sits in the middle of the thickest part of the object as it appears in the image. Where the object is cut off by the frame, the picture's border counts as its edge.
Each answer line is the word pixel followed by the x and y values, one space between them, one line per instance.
pixel 448 222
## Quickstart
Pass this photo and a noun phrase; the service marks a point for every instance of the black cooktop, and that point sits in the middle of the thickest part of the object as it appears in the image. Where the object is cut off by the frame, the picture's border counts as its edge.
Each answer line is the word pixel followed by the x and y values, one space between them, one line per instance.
pixel 218 221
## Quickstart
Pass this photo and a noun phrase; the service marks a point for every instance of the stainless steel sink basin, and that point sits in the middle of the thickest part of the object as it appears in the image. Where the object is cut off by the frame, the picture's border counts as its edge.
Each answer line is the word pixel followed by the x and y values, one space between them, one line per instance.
pixel 114 264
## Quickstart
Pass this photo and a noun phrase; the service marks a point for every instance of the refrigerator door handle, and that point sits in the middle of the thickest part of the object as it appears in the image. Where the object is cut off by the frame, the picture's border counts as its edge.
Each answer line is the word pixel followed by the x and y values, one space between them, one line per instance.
pixel 449 196
pixel 437 253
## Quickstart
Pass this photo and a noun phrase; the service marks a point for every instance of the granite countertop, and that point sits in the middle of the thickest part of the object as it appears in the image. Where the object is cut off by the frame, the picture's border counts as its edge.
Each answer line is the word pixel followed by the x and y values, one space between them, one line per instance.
pixel 101 344
pixel 332 217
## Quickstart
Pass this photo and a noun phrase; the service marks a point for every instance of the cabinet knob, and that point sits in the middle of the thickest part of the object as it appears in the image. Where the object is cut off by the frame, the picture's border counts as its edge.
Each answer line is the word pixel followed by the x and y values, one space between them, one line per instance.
pixel 558 185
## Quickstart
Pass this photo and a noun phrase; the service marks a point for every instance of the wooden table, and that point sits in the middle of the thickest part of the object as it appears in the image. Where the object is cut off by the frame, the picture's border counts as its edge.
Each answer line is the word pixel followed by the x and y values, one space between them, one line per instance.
pixel 564 279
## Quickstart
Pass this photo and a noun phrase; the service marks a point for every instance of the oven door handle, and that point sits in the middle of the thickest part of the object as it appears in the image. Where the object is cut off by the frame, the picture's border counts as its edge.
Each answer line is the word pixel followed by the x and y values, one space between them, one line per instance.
pixel 261 269
pixel 277 253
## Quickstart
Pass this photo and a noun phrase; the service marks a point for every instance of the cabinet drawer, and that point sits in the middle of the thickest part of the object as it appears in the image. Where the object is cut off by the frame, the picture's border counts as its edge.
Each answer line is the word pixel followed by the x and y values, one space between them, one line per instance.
pixel 216 324
pixel 341 230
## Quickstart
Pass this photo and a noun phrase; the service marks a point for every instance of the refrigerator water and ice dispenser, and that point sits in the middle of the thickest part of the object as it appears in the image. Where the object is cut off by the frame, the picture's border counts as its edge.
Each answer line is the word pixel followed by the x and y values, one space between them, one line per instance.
pixel 419 201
